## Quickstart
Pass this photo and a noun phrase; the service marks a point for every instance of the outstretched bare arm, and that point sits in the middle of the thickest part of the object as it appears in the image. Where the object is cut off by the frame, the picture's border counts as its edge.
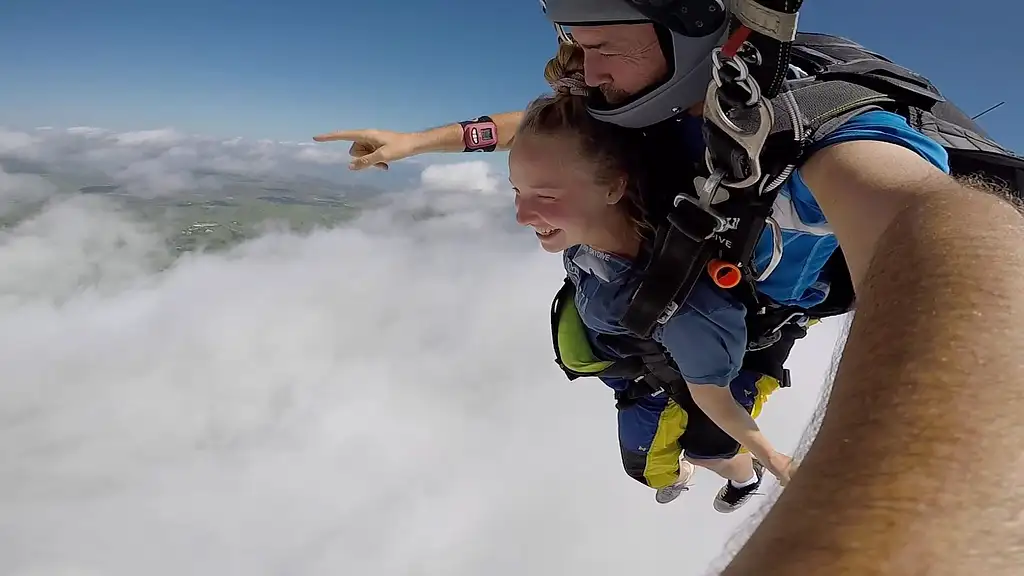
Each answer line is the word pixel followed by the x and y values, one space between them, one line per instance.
pixel 916 468
pixel 372 147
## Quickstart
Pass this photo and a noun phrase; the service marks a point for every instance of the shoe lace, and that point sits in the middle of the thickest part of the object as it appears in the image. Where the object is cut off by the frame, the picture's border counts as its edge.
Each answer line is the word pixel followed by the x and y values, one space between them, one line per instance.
pixel 674 488
pixel 734 495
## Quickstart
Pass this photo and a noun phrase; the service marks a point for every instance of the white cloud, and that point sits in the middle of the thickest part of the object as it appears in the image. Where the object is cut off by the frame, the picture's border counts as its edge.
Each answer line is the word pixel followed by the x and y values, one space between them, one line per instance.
pixel 22 187
pixel 379 398
pixel 165 162
pixel 84 243
pixel 320 154
pixel 16 142
pixel 474 176
pixel 161 137
pixel 88 131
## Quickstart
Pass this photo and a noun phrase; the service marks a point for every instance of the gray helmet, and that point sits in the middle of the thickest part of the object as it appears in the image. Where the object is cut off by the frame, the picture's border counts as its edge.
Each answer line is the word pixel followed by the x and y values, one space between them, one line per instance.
pixel 691 55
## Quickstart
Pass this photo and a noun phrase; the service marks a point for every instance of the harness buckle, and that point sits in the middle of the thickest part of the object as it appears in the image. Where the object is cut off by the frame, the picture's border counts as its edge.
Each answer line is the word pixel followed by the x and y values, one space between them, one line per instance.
pixel 669 311
pixel 706 193
pixel 750 142
pixel 709 191
pixel 793 318
pixel 763 342
pixel 769 337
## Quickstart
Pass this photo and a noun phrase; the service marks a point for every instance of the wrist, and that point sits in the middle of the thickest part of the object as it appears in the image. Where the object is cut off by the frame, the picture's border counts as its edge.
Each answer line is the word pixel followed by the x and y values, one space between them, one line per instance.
pixel 760 448
pixel 765 456
pixel 444 139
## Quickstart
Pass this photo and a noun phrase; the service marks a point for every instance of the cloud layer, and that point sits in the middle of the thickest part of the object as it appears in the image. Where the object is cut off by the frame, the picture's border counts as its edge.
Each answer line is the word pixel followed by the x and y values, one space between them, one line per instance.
pixel 380 397
pixel 166 162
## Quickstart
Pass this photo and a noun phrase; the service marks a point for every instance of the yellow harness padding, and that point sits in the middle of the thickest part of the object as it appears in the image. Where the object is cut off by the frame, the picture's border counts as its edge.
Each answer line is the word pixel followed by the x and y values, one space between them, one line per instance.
pixel 573 346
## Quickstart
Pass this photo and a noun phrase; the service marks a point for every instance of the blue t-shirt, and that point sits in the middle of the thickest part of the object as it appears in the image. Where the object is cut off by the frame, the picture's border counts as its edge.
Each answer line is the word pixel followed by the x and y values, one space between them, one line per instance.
pixel 707 335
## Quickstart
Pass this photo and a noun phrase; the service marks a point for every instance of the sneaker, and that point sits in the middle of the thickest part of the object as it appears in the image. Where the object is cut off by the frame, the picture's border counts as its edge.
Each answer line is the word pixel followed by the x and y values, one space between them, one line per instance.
pixel 672 491
pixel 730 498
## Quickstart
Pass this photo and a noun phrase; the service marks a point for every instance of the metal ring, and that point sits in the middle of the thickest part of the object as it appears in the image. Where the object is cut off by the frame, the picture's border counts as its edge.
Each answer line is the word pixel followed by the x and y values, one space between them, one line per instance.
pixel 716 57
pixel 750 49
pixel 753 95
pixel 753 100
pixel 717 63
pixel 754 89
pixel 743 76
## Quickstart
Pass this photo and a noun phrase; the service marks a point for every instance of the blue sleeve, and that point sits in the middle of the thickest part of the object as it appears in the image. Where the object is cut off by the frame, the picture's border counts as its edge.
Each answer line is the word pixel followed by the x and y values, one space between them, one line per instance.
pixel 875 125
pixel 707 337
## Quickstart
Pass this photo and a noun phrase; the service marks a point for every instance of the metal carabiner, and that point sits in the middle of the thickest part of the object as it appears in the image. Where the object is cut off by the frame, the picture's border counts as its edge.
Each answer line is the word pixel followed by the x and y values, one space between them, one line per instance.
pixel 752 143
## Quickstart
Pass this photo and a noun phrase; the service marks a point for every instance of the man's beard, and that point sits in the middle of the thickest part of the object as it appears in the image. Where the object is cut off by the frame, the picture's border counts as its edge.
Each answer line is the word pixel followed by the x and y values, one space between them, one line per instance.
pixel 614 96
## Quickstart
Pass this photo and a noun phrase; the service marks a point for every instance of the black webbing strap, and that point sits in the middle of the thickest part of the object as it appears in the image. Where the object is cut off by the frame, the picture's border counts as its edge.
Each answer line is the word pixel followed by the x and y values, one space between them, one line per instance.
pixel 660 377
pixel 680 255
pixel 769 27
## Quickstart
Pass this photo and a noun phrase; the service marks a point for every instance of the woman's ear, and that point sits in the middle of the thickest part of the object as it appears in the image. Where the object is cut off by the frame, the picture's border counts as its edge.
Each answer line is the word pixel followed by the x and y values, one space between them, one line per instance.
pixel 617 191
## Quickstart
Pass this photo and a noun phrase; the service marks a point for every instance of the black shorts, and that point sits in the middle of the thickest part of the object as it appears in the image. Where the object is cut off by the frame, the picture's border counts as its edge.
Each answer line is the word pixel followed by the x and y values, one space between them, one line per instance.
pixel 703 439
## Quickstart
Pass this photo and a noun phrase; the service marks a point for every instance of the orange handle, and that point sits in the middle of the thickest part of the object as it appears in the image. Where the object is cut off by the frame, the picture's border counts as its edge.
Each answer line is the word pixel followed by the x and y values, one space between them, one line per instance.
pixel 725 274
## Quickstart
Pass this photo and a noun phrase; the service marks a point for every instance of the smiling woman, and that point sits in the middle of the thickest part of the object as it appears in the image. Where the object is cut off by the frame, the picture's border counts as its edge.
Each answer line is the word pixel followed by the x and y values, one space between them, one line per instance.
pixel 587 197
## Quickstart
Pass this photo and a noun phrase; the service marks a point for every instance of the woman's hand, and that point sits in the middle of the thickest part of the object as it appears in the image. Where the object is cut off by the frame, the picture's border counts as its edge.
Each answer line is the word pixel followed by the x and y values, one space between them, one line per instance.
pixel 781 466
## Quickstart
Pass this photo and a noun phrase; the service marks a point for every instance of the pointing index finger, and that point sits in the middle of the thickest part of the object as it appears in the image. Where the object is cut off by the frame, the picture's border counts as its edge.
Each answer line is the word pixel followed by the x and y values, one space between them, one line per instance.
pixel 350 135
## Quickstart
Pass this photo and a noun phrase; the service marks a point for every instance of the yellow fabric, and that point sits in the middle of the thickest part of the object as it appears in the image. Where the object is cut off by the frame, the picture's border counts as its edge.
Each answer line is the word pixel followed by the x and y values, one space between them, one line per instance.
pixel 573 346
pixel 766 385
pixel 662 467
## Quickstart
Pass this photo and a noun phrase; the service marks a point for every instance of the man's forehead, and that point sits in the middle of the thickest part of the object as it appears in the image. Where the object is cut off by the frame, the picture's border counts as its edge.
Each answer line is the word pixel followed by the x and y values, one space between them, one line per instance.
pixel 612 34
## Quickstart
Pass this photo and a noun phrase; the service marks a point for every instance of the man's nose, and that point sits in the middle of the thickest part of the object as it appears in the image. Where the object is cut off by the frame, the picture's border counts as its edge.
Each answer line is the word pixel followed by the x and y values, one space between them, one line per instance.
pixel 593 71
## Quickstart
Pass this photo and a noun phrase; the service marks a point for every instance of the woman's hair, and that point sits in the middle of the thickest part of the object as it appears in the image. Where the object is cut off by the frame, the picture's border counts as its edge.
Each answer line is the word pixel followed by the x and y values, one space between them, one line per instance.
pixel 613 151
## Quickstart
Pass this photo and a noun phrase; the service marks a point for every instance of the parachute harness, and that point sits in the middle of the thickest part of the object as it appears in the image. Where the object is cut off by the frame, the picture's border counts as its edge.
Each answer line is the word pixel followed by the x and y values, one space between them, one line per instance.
pixel 715 228
pixel 758 126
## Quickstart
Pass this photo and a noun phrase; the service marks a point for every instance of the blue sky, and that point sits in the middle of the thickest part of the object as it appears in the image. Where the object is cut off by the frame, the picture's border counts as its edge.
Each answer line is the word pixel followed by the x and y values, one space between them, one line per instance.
pixel 288 70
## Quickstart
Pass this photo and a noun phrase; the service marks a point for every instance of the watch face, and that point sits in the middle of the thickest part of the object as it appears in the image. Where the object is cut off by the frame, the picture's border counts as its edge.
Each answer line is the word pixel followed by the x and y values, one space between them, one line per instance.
pixel 477 136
